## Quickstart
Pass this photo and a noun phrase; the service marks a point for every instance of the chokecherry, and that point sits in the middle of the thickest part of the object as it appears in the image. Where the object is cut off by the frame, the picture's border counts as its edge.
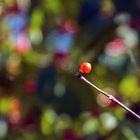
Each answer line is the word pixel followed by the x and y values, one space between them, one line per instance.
pixel 85 67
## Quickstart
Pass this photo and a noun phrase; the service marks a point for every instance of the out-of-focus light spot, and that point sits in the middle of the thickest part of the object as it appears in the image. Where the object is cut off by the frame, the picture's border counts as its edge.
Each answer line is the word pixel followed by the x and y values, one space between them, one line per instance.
pixel 59 89
pixel 10 2
pixel 71 26
pixel 23 44
pixel 131 39
pixel 35 36
pixel 119 113
pixel 63 122
pixel 107 8
pixel 109 122
pixel 13 64
pixel 30 87
pixel 50 115
pixel 122 18
pixel 54 7
pixel 129 133
pixel 103 101
pixel 23 4
pixel 3 128
pixel 4 106
pixel 31 57
pixel 59 41
pixel 47 120
pixel 15 117
pixel 14 110
pixel 36 18
pixel 129 87
pixel 14 104
pixel 115 47
pixel 130 36
pixel 16 23
pixel 90 126
pixel 122 30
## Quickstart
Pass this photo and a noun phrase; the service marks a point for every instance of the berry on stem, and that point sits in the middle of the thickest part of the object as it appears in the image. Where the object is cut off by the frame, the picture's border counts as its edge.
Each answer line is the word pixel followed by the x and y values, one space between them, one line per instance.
pixel 85 67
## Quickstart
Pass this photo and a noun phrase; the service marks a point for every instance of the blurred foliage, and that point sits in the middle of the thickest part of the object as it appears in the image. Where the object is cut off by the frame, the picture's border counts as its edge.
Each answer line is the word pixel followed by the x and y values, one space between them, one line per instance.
pixel 42 44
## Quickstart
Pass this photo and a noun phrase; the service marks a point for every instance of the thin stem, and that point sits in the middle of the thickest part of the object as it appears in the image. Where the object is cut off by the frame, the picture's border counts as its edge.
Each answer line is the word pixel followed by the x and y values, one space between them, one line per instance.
pixel 107 95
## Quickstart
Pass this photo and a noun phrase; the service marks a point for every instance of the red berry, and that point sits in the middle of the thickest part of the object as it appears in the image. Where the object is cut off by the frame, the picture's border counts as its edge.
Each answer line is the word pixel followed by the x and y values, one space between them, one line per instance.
pixel 85 67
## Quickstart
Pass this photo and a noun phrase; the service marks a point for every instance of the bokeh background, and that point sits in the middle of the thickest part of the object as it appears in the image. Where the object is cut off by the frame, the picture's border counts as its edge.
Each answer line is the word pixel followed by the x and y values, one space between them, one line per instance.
pixel 42 44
